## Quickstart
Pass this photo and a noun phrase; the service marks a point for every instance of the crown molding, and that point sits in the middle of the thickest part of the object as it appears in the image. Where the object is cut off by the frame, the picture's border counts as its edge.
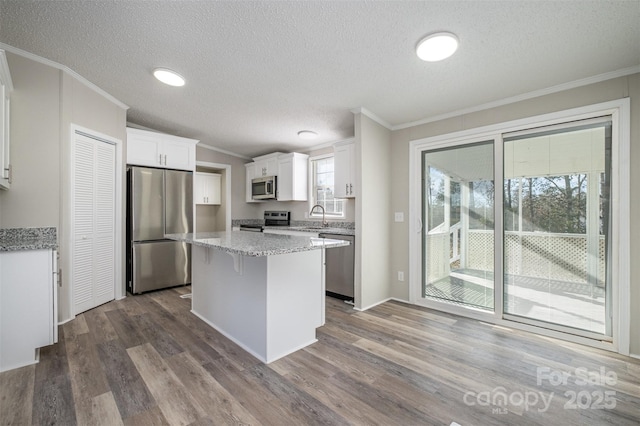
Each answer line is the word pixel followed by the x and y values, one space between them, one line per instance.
pixel 65 69
pixel 377 119
pixel 223 151
pixel 525 96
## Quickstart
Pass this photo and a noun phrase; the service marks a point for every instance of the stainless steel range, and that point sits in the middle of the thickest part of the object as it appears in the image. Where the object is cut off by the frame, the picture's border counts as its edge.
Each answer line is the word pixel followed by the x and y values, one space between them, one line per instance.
pixel 271 218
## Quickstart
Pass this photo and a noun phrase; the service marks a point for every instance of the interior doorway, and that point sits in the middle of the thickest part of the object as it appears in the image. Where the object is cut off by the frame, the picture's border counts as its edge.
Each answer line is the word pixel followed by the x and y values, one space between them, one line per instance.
pixel 94 234
pixel 214 217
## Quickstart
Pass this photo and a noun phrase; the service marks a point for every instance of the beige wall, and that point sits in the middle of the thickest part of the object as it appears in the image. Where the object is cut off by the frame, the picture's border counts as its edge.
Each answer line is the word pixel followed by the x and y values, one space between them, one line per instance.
pixel 82 106
pixel 44 104
pixel 34 197
pixel 600 92
pixel 373 212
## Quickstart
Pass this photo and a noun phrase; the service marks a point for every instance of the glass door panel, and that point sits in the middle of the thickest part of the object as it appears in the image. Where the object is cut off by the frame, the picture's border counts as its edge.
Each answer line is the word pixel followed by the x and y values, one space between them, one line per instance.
pixel 556 228
pixel 458 236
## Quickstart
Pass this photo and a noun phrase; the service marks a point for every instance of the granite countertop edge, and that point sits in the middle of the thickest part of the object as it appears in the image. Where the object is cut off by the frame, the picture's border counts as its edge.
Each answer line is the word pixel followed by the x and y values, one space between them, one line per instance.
pixel 23 239
pixel 245 241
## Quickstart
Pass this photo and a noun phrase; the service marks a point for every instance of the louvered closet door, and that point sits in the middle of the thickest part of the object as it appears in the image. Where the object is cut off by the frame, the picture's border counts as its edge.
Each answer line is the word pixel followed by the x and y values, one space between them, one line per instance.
pixel 93 222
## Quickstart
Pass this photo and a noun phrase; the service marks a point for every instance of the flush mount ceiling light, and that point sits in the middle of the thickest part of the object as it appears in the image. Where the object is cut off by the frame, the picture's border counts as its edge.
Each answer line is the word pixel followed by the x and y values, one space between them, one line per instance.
pixel 169 77
pixel 307 134
pixel 436 47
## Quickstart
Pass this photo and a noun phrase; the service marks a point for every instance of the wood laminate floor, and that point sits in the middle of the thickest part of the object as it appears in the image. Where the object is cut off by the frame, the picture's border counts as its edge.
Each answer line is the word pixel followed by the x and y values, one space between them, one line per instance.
pixel 146 360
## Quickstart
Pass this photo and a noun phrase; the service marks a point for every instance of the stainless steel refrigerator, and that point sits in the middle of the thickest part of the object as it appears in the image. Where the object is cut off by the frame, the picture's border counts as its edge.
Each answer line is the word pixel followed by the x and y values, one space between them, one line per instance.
pixel 159 202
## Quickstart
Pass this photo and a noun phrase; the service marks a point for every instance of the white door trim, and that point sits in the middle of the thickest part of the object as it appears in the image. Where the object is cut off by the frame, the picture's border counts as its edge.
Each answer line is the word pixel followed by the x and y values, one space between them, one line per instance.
pixel 67 249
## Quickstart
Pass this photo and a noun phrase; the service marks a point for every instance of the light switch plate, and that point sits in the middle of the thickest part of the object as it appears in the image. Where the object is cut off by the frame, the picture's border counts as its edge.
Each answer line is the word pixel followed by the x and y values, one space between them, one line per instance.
pixel 399 216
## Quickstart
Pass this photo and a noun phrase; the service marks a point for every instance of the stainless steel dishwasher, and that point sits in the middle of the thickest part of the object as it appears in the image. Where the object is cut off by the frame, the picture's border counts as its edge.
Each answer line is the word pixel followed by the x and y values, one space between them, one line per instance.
pixel 339 267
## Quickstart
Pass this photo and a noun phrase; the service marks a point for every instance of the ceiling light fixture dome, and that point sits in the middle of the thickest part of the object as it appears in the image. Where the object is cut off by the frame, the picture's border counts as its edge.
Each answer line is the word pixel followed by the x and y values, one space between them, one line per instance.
pixel 436 47
pixel 307 134
pixel 169 77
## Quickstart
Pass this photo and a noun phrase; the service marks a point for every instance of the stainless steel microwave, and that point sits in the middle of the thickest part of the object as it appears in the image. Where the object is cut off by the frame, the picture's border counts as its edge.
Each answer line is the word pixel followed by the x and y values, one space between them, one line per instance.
pixel 264 188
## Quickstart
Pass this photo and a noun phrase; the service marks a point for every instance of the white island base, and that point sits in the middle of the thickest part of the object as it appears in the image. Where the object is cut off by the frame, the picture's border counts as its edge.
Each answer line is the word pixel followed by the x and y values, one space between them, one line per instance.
pixel 269 305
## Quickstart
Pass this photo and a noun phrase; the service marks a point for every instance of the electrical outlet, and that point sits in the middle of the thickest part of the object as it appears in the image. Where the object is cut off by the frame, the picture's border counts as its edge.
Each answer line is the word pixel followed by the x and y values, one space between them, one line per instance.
pixel 399 216
pixel 400 275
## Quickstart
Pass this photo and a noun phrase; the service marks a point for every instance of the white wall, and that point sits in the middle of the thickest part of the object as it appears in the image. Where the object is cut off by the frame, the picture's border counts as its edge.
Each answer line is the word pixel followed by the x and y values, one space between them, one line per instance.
pixel 34 197
pixel 373 212
pixel 595 93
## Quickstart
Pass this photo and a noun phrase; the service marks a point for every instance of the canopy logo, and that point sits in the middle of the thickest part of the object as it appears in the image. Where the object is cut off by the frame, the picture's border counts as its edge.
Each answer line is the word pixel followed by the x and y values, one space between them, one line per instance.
pixel 596 399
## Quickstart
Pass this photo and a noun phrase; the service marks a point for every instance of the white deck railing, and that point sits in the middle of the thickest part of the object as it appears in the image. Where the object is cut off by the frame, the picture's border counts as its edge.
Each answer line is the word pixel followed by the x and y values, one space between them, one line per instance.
pixel 561 257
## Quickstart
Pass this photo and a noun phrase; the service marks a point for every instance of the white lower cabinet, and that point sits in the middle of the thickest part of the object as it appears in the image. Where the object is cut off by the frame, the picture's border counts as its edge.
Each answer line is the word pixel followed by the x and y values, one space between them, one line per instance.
pixel 28 305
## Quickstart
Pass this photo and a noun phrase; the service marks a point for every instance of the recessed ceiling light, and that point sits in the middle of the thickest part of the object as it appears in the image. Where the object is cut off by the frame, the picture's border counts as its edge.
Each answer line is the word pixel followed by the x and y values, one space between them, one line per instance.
pixel 436 47
pixel 169 77
pixel 307 134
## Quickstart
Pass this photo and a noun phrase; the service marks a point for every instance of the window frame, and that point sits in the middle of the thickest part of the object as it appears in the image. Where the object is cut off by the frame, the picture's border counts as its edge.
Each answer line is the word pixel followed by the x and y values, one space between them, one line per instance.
pixel 312 189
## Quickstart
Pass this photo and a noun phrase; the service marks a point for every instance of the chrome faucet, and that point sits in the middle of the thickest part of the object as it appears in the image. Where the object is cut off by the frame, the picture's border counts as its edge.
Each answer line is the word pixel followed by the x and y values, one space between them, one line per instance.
pixel 324 222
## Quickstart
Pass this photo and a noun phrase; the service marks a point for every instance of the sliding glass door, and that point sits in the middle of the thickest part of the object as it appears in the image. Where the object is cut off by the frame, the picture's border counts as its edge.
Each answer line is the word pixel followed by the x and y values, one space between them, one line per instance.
pixel 459 226
pixel 553 236
pixel 557 228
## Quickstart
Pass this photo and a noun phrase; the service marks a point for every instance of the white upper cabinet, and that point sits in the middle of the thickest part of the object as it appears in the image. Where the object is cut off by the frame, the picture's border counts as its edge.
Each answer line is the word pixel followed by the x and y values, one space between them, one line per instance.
pixel 344 170
pixel 290 169
pixel 266 165
pixel 152 149
pixel 206 188
pixel 293 174
pixel 6 86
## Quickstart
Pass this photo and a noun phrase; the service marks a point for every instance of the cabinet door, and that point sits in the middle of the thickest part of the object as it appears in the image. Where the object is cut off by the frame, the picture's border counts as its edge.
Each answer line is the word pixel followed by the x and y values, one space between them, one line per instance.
pixel 199 188
pixel 178 155
pixel 266 166
pixel 4 137
pixel 272 166
pixel 207 188
pixel 261 169
pixel 343 159
pixel 27 312
pixel 213 192
pixel 250 173
pixel 6 86
pixel 285 179
pixel 144 151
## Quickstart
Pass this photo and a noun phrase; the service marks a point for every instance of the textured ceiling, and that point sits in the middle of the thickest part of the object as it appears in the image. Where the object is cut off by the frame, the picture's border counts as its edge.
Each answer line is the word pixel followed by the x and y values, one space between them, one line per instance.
pixel 258 72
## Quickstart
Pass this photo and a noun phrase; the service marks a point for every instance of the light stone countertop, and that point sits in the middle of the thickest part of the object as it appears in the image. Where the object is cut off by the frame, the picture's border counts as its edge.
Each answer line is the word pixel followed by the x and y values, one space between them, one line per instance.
pixel 256 243
pixel 18 239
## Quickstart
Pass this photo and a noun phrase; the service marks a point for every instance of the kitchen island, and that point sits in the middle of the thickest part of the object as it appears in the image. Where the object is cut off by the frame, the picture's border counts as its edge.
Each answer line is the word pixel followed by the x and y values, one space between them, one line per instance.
pixel 265 292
